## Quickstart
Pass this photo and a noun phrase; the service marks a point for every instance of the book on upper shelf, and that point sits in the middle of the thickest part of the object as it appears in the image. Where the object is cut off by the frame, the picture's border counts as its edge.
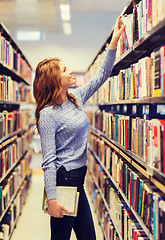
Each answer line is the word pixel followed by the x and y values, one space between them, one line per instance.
pixel 67 196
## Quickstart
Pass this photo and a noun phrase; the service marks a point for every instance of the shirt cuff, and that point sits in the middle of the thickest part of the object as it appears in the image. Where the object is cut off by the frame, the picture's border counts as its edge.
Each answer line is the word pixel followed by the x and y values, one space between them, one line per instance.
pixel 51 194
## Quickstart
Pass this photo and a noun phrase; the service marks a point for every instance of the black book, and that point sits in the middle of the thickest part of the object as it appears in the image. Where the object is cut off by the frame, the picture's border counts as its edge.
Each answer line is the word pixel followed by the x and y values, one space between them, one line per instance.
pixel 135 24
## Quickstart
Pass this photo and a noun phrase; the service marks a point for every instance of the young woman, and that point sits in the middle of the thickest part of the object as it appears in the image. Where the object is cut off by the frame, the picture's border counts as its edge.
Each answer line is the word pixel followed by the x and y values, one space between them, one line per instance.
pixel 63 127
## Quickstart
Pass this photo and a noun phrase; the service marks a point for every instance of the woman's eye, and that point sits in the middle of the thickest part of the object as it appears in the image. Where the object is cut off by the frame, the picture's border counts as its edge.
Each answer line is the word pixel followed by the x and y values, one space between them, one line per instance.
pixel 64 70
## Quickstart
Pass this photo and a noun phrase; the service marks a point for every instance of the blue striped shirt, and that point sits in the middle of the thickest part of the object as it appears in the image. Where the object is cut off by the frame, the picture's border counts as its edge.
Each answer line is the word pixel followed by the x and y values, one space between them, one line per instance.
pixel 64 130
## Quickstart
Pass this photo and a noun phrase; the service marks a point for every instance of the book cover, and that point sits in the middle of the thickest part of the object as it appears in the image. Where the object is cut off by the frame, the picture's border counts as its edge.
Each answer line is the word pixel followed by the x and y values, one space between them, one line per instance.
pixel 144 19
pixel 149 76
pixel 154 216
pixel 126 133
pixel 140 19
pixel 134 196
pixel 135 24
pixel 1 236
pixel 142 203
pixel 126 181
pixel 121 175
pixel 140 233
pixel 0 200
pixel 162 219
pixel 149 15
pixel 145 139
pixel 70 202
pixel 140 196
pixel 137 194
pixel 163 158
pixel 161 145
pixel 155 143
pixel 132 188
pixel 163 68
pixel 134 226
pixel 127 214
pixel 157 70
pixel 5 229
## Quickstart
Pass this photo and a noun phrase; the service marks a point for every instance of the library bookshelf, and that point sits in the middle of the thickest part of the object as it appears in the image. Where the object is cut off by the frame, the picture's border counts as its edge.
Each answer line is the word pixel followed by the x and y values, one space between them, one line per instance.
pixel 126 157
pixel 16 132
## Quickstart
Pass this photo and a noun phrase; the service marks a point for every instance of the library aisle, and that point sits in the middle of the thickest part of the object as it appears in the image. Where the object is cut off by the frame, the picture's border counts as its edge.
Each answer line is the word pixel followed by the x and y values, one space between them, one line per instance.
pixel 33 224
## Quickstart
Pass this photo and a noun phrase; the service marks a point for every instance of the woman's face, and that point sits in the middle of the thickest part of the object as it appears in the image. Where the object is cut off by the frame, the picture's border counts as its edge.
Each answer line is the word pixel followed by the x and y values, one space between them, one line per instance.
pixel 66 76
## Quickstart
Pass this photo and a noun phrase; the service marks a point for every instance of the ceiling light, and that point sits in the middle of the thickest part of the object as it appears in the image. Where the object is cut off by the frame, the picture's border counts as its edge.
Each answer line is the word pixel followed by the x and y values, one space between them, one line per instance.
pixel 67 28
pixel 65 12
pixel 26 1
pixel 29 36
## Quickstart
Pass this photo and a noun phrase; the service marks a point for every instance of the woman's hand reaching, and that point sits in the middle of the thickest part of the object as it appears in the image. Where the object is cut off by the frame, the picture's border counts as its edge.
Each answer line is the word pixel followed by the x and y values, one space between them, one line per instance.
pixel 55 209
pixel 118 29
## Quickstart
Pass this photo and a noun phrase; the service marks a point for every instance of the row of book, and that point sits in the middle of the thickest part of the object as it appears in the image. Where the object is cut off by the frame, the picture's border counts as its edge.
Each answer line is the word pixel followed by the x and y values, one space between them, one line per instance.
pixel 105 221
pixel 13 59
pixel 145 138
pixel 143 197
pixel 12 121
pixel 12 153
pixel 146 15
pixel 12 182
pixel 11 90
pixel 129 228
pixel 10 219
pixel 146 78
pixel 125 222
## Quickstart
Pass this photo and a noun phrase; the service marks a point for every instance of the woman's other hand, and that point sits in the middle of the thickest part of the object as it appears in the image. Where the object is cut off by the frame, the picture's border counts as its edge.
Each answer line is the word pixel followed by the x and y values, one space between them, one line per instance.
pixel 55 208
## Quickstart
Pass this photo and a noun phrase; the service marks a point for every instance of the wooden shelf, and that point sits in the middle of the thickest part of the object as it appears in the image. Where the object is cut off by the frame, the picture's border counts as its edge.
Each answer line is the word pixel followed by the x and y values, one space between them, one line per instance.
pixel 6 70
pixel 148 106
pixel 12 136
pixel 147 100
pixel 9 138
pixel 3 102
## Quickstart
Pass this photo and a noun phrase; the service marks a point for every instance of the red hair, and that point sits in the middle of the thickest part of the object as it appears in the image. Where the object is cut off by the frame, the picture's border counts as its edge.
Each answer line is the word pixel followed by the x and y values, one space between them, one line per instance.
pixel 47 86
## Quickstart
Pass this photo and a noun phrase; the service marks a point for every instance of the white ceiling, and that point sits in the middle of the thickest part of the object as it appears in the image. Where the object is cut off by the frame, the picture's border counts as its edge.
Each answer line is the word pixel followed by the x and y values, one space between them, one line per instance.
pixel 91 21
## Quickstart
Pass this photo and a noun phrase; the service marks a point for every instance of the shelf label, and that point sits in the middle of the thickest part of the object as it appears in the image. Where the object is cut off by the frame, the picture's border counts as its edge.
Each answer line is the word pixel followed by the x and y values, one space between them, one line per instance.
pixel 161 109
pixel 125 108
pixel 145 109
pixel 134 109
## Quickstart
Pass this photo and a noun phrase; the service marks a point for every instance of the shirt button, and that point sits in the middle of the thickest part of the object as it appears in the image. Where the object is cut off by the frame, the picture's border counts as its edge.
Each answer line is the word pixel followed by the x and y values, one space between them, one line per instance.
pixel 66 178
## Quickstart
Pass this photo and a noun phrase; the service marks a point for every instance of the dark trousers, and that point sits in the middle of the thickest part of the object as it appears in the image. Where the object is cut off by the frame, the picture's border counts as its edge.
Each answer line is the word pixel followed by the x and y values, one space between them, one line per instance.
pixel 82 224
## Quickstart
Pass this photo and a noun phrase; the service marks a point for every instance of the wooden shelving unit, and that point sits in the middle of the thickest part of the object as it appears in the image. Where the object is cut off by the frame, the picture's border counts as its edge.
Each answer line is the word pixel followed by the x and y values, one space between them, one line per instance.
pixel 11 138
pixel 144 107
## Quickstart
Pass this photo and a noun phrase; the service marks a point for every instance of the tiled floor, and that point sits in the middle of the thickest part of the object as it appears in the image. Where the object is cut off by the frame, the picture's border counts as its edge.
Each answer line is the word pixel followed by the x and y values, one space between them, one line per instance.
pixel 33 224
